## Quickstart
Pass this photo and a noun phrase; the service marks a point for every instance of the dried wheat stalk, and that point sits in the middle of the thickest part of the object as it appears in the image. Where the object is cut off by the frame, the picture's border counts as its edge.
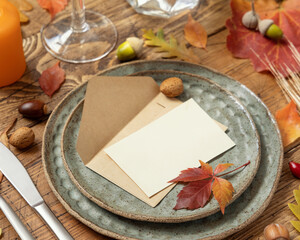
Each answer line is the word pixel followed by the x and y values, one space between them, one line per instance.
pixel 290 86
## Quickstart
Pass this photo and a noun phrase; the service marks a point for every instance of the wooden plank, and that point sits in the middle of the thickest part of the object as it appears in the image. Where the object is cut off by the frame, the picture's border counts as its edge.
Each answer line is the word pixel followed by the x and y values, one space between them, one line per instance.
pixel 212 15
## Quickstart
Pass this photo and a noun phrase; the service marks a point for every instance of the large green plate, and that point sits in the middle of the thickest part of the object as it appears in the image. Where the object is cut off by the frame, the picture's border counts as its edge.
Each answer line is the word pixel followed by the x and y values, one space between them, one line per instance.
pixel 238 215
pixel 221 106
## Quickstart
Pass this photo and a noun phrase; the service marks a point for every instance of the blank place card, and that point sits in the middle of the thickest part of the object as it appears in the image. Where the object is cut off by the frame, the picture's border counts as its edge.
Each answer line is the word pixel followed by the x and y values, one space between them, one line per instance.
pixel 158 152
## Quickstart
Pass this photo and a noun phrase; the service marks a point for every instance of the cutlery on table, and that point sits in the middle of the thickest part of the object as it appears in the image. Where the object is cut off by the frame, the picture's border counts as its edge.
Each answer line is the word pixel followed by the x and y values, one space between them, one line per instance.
pixel 15 172
pixel 15 221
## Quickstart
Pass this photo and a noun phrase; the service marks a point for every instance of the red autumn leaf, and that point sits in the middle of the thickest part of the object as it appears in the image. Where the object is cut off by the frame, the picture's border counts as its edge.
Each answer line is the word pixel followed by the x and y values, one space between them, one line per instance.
pixel 53 6
pixel 222 190
pixel 288 120
pixel 243 42
pixel 194 195
pixel 51 79
pixel 195 33
pixel 195 174
pixel 200 184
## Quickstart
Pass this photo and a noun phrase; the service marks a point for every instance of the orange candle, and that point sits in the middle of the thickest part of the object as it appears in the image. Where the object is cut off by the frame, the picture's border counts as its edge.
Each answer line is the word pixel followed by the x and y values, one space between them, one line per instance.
pixel 12 60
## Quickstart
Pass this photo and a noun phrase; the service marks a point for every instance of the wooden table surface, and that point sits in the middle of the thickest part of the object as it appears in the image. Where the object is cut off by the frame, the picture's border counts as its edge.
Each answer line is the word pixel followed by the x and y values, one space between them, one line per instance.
pixel 212 14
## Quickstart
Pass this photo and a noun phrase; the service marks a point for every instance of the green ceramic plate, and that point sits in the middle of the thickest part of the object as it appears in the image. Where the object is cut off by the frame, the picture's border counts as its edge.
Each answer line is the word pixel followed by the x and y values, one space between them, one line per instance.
pixel 220 105
pixel 238 215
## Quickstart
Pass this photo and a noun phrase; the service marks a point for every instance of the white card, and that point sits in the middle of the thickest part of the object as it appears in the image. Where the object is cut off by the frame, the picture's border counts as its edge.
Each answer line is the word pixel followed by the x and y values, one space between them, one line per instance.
pixel 158 152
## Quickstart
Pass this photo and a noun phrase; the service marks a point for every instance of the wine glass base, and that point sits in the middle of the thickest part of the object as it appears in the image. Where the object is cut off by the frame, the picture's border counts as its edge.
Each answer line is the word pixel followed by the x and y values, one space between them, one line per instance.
pixel 93 43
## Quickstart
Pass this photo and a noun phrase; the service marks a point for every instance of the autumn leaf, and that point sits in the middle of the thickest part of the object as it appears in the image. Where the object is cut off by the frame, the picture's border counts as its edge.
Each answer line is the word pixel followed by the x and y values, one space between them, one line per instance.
pixel 201 182
pixel 195 33
pixel 53 6
pixel 288 120
pixel 194 195
pixel 22 5
pixel 245 43
pixel 295 208
pixel 170 48
pixel 222 190
pixel 3 136
pixel 52 79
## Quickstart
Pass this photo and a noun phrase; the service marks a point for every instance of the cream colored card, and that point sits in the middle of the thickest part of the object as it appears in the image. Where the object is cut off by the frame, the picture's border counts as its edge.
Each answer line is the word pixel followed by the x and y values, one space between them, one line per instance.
pixel 157 153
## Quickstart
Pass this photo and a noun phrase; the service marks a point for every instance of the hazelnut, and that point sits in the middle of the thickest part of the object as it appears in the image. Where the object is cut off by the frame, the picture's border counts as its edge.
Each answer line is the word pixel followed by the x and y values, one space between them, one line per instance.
pixel 172 87
pixel 276 231
pixel 22 138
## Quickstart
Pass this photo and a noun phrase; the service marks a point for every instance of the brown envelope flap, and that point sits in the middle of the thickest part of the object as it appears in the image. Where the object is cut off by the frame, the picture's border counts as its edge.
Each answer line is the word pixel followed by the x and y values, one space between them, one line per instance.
pixel 110 103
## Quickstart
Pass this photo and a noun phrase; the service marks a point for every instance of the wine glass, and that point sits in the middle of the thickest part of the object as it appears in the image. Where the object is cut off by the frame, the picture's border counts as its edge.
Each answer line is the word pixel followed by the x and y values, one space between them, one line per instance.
pixel 80 37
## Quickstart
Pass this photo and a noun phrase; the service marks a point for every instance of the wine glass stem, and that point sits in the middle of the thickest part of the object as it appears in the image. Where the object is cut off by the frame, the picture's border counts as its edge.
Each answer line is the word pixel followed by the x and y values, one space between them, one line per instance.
pixel 78 17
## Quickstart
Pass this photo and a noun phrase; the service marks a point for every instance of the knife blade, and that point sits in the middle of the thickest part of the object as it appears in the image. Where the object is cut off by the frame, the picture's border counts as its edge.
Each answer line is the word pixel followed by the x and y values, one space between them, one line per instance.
pixel 15 172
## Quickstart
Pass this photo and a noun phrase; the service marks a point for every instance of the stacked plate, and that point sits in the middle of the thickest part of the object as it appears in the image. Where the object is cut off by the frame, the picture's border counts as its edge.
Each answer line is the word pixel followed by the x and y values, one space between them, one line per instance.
pixel 112 211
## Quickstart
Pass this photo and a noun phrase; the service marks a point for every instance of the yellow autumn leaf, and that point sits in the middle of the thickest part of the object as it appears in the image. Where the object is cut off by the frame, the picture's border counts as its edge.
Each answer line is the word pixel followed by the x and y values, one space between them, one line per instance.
pixel 22 5
pixel 170 48
pixel 295 208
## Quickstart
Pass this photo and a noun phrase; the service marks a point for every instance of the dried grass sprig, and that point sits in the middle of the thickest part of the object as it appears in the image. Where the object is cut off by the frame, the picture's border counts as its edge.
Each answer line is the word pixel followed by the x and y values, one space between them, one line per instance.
pixel 290 85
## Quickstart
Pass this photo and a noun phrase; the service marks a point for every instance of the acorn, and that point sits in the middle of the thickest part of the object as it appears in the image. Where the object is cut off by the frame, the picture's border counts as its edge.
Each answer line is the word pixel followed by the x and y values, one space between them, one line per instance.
pixel 268 28
pixel 250 20
pixel 130 49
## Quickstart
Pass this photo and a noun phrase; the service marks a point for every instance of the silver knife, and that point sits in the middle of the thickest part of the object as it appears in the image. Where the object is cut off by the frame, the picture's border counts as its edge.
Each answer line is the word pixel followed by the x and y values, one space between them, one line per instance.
pixel 15 172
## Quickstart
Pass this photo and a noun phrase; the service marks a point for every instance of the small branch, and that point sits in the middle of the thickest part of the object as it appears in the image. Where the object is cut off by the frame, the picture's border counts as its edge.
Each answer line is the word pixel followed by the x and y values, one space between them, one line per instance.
pixel 244 165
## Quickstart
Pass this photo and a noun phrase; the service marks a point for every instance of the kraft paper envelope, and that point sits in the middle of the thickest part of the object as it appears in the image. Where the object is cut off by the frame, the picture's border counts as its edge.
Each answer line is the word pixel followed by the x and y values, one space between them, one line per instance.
pixel 157 153
pixel 114 108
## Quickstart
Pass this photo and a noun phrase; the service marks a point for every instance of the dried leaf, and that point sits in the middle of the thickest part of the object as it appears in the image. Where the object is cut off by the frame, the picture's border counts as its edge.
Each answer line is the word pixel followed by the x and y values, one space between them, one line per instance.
pixel 245 43
pixel 288 120
pixel 295 208
pixel 170 49
pixel 4 137
pixel 222 190
pixel 53 6
pixel 201 183
pixel 195 174
pixel 195 33
pixel 52 79
pixel 194 195
pixel 22 5
pixel 222 167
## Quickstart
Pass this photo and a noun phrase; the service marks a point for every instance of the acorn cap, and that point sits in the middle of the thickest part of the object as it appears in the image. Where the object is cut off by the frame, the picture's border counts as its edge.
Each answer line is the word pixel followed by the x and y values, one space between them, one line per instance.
pixel 136 44
pixel 250 20
pixel 264 25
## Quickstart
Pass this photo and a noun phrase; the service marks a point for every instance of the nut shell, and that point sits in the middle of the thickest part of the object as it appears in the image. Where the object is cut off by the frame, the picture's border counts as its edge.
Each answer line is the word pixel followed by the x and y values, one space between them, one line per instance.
pixel 250 20
pixel 276 231
pixel 22 138
pixel 264 25
pixel 172 87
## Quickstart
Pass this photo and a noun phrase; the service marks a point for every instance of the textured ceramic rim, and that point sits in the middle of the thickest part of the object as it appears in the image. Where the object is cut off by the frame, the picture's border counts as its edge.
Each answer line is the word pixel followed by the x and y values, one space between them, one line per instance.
pixel 118 236
pixel 148 218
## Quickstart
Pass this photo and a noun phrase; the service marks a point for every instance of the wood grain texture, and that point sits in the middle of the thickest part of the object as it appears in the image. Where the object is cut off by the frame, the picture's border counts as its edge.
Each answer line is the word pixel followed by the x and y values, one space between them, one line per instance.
pixel 212 15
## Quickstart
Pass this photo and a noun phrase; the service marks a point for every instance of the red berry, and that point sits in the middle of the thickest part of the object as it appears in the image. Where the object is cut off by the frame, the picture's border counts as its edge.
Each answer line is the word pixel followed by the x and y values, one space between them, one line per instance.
pixel 295 168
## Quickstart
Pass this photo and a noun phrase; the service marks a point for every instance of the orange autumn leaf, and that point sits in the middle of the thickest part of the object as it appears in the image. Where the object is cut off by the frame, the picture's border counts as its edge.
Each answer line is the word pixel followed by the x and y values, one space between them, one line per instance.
pixel 222 190
pixel 52 79
pixel 195 33
pixel 288 120
pixel 53 6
